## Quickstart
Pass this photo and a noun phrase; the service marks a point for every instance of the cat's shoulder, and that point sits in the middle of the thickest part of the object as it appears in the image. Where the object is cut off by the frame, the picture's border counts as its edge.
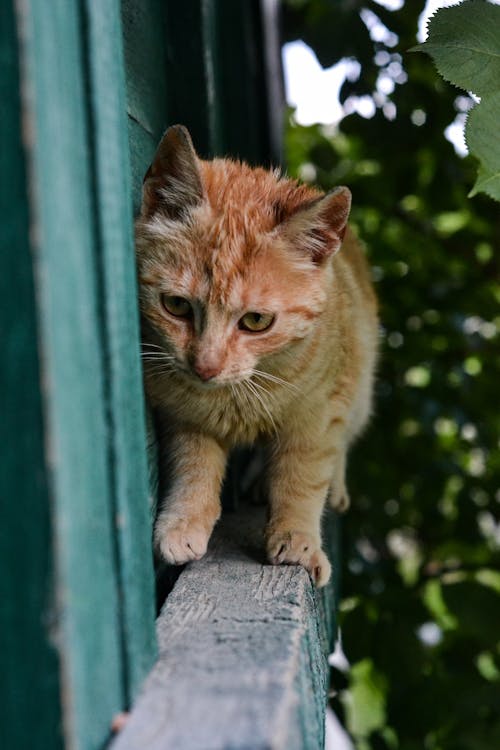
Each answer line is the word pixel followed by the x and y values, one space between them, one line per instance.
pixel 353 256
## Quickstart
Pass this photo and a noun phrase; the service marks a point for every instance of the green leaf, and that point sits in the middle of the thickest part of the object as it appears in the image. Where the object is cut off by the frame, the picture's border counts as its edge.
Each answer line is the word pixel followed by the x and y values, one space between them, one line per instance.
pixel 464 41
pixel 366 708
pixel 482 139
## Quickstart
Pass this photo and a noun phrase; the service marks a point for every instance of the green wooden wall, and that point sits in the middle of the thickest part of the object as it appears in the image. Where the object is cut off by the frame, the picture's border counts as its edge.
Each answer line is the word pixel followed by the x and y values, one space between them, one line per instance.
pixel 86 89
pixel 82 443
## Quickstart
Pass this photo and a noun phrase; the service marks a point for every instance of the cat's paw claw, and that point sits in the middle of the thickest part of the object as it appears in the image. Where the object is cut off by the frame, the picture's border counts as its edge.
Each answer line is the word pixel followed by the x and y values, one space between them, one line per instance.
pixel 180 542
pixel 297 548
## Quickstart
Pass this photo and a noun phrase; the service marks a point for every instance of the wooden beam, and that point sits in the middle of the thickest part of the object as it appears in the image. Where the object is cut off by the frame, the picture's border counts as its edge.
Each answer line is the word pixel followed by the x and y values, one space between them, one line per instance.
pixel 78 572
pixel 243 652
pixel 29 659
pixel 120 337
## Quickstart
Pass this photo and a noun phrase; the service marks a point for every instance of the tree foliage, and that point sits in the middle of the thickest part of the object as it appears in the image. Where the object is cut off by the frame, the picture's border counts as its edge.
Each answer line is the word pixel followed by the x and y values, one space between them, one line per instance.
pixel 464 42
pixel 421 608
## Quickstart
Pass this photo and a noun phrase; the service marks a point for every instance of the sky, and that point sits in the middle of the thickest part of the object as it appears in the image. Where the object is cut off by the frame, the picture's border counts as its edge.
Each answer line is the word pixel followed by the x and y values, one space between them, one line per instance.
pixel 314 91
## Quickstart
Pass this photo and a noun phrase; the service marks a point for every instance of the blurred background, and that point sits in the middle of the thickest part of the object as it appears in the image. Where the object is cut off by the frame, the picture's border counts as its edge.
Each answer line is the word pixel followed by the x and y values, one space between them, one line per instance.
pixel 420 613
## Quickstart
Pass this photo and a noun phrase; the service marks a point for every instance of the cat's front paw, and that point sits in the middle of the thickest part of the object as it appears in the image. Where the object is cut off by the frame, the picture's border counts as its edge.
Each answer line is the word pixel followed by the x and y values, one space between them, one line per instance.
pixel 180 540
pixel 299 548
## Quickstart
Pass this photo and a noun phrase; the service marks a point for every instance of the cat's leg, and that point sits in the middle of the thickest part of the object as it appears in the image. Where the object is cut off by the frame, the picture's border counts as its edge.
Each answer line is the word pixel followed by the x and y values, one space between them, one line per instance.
pixel 300 477
pixel 341 405
pixel 350 410
pixel 309 465
pixel 192 504
pixel 339 496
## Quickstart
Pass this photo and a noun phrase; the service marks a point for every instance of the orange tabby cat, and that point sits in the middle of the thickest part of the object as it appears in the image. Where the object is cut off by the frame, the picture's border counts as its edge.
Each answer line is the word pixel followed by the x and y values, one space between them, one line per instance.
pixel 256 328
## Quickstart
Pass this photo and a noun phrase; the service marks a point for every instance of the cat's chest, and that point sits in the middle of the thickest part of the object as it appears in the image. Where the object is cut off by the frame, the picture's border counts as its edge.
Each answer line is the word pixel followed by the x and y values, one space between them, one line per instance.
pixel 238 414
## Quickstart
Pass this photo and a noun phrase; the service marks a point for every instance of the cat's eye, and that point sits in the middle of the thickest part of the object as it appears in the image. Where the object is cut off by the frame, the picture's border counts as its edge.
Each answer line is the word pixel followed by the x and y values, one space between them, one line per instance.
pixel 177 306
pixel 256 322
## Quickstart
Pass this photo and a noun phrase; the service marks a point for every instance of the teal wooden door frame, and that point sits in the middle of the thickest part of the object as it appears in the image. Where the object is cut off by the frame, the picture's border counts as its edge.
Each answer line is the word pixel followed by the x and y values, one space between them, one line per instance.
pixel 70 319
pixel 223 83
pixel 27 655
pixel 127 446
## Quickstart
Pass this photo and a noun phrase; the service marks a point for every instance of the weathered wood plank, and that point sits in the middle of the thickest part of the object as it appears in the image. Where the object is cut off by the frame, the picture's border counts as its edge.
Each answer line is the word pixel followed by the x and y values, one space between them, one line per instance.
pixel 190 72
pixel 29 664
pixel 144 30
pixel 270 11
pixel 142 146
pixel 235 43
pixel 217 83
pixel 243 653
pixel 145 59
pixel 124 393
pixel 85 627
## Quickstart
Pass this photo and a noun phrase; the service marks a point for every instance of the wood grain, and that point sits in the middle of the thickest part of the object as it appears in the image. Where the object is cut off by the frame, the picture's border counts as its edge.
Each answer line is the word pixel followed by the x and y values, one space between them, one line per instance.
pixel 243 653
pixel 86 625
pixel 120 336
pixel 147 84
pixel 80 511
pixel 29 661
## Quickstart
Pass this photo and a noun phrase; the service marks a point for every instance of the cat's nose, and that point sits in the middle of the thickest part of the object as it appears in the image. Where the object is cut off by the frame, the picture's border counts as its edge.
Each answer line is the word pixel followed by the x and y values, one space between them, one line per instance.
pixel 206 371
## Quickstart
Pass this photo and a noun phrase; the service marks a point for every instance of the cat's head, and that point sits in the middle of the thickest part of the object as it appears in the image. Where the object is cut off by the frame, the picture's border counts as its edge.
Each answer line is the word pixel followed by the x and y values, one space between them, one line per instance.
pixel 233 262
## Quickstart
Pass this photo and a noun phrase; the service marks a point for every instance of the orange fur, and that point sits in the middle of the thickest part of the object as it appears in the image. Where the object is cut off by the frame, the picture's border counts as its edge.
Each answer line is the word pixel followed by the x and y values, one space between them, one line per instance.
pixel 231 240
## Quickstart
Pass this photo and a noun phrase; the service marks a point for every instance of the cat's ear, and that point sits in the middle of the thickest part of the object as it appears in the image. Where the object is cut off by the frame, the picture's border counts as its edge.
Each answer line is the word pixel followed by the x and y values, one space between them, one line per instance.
pixel 173 182
pixel 319 227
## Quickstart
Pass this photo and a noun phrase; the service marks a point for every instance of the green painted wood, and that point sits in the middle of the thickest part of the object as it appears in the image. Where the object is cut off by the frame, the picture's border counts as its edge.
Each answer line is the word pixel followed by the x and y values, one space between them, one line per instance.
pixel 127 435
pixel 142 147
pixel 217 77
pixel 145 60
pixel 144 40
pixel 272 71
pixel 236 47
pixel 86 628
pixel 190 72
pixel 29 663
pixel 145 57
pixel 211 63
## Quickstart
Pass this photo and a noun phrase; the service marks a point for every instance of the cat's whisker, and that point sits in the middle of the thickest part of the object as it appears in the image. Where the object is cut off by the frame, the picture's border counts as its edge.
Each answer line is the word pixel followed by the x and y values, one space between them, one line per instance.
pixel 249 396
pixel 157 355
pixel 160 361
pixel 161 353
pixel 160 366
pixel 145 344
pixel 241 396
pixel 152 365
pixel 253 389
pixel 269 395
pixel 154 349
pixel 235 394
pixel 275 379
pixel 160 369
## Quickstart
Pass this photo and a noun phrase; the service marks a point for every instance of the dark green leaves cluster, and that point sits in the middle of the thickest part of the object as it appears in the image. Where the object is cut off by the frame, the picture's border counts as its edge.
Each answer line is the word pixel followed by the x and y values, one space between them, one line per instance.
pixel 421 586
pixel 464 42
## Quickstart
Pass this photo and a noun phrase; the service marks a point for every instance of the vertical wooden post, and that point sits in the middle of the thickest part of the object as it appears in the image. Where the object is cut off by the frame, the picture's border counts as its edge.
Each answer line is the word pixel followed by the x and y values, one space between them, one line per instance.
pixel 29 659
pixel 120 327
pixel 76 569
